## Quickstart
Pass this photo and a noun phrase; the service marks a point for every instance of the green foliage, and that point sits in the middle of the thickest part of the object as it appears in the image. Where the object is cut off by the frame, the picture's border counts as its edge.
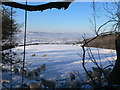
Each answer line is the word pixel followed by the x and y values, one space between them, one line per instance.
pixel 9 27
pixel 8 57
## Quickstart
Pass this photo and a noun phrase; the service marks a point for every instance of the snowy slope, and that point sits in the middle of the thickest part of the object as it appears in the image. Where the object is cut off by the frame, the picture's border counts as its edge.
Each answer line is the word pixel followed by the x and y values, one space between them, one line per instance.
pixel 60 60
pixel 50 37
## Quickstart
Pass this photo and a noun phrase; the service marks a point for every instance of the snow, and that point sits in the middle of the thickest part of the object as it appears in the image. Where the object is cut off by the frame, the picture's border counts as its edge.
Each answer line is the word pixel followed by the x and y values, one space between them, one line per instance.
pixel 60 60
pixel 50 37
pixel 59 57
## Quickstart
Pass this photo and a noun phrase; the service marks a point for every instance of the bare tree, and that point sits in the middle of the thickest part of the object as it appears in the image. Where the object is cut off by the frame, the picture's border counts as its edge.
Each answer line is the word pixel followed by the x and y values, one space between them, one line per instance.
pixel 114 77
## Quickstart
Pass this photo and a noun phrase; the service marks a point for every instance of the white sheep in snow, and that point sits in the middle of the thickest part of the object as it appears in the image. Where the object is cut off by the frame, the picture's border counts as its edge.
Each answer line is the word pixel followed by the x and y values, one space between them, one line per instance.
pixel 42 67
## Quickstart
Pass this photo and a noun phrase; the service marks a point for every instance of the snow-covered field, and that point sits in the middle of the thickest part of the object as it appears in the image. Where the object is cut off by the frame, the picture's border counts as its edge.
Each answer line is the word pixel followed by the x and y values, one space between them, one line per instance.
pixel 50 37
pixel 60 60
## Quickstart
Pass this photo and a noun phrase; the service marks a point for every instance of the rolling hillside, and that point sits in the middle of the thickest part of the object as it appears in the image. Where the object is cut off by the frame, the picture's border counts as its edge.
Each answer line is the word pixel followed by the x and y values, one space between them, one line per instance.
pixel 106 41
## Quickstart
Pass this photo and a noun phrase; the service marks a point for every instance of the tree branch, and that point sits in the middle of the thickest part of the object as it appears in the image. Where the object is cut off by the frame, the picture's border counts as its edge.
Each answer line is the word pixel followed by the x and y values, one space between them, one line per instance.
pixel 50 5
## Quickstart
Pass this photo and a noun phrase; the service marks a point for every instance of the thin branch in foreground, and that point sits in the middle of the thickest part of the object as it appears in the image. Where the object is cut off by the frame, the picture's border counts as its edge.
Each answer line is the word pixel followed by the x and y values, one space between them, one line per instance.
pixel 83 64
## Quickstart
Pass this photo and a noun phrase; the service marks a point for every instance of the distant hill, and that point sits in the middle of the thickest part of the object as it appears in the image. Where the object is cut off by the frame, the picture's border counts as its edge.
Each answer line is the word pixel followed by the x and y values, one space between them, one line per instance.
pixel 106 41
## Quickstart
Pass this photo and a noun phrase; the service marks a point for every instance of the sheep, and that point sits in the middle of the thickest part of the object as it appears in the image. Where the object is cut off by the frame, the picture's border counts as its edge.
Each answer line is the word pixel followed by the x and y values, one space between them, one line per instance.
pixel 47 83
pixel 42 67
pixel 16 70
pixel 38 69
pixel 31 74
pixel 44 55
pixel 33 55
pixel 34 86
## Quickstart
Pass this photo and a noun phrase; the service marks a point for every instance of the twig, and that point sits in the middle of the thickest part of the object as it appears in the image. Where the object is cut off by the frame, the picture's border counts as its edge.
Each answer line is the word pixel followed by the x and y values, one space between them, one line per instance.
pixel 83 64
pixel 5 86
pixel 77 72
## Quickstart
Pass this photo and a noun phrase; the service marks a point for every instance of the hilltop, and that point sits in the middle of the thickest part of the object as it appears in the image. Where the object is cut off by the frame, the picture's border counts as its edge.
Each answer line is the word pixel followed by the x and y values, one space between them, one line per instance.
pixel 106 41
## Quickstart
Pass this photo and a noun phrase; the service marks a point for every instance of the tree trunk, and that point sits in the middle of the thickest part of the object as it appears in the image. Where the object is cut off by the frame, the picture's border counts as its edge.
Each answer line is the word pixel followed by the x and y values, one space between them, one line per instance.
pixel 114 77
